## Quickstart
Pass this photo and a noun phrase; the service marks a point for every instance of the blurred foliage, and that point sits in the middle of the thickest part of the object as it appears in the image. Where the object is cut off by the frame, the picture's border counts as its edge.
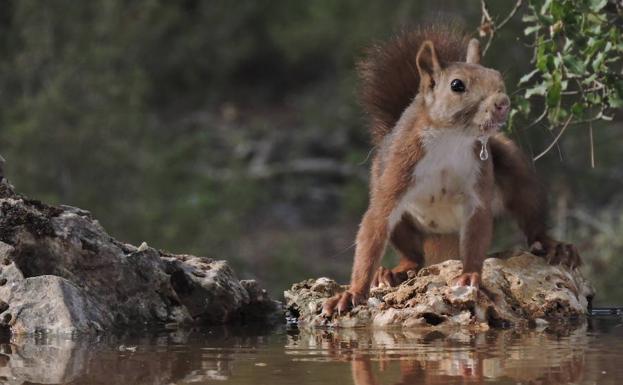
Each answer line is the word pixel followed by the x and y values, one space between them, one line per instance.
pixel 235 132
pixel 605 259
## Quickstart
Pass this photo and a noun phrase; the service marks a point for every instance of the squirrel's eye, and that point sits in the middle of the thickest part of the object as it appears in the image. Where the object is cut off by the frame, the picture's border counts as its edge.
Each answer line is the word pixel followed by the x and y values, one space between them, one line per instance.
pixel 457 85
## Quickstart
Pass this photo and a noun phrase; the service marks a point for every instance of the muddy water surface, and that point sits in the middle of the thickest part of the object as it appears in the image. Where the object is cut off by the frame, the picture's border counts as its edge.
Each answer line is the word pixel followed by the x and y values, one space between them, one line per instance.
pixel 592 354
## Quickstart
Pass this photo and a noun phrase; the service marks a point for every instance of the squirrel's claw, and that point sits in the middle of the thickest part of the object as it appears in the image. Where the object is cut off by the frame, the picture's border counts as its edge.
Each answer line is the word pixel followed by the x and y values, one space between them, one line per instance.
pixel 388 278
pixel 342 303
pixel 468 279
pixel 557 253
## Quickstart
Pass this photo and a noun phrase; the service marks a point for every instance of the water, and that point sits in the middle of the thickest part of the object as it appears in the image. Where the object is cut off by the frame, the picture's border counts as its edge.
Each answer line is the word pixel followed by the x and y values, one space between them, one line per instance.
pixel 592 354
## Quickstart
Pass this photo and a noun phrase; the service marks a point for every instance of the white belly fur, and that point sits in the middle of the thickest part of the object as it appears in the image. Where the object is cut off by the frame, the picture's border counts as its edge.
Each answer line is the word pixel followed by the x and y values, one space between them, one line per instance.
pixel 443 194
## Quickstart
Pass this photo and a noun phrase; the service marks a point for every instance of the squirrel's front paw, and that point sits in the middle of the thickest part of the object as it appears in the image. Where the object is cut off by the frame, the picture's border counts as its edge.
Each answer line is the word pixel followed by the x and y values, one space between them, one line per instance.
pixel 556 252
pixel 468 279
pixel 388 278
pixel 343 302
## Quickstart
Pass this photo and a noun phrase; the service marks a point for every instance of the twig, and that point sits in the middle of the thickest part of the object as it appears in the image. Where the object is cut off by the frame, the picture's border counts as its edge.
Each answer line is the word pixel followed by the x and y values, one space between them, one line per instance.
pixel 590 134
pixel 557 145
pixel 596 88
pixel 537 120
pixel 510 15
pixel 562 130
pixel 487 21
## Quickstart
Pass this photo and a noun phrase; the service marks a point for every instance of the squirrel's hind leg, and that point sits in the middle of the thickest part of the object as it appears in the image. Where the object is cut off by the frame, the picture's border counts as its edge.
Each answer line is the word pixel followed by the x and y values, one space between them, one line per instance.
pixel 525 199
pixel 408 241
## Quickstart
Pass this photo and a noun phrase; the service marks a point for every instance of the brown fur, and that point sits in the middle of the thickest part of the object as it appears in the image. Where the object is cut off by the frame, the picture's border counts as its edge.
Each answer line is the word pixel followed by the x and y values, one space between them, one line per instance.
pixel 389 77
pixel 405 128
pixel 386 191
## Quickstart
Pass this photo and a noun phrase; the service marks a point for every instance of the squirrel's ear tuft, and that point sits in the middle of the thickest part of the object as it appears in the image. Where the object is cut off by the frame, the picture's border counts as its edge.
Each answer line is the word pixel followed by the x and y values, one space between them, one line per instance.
pixel 473 52
pixel 427 64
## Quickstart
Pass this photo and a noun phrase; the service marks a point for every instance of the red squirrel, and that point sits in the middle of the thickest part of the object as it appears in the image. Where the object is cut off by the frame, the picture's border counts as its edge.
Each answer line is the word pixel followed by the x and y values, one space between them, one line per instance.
pixel 441 168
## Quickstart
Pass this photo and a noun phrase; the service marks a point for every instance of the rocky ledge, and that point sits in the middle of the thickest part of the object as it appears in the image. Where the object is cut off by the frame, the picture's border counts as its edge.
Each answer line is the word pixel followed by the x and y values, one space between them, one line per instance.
pixel 518 290
pixel 61 273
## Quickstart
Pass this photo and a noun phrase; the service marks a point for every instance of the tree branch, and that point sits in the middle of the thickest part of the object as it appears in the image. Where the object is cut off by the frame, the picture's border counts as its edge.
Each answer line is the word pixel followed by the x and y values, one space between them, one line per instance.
pixel 562 130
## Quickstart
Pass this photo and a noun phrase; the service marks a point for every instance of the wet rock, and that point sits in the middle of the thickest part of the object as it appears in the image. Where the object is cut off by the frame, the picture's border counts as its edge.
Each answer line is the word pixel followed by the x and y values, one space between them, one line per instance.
pixel 60 272
pixel 522 290
pixel 50 303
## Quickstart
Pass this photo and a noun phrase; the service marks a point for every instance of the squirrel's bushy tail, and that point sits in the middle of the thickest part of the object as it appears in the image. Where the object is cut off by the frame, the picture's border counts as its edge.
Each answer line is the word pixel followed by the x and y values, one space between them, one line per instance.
pixel 389 75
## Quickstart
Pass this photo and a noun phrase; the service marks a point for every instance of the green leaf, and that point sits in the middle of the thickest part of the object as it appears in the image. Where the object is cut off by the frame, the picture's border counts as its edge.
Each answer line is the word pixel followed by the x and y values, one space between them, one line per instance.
pixel 589 80
pixel 615 101
pixel 573 65
pixel 522 105
pixel 593 98
pixel 545 7
pixel 528 76
pixel 530 30
pixel 615 97
pixel 529 18
pixel 593 45
pixel 577 109
pixel 511 121
pixel 544 59
pixel 564 84
pixel 554 92
pixel 568 44
pixel 595 29
pixel 557 61
pixel 596 5
pixel 557 10
pixel 604 117
pixel 540 89
pixel 598 61
pixel 608 47
pixel 555 115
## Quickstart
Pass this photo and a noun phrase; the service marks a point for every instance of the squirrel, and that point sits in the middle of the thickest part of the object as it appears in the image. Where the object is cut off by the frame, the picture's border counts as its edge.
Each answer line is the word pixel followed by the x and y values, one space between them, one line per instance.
pixel 441 168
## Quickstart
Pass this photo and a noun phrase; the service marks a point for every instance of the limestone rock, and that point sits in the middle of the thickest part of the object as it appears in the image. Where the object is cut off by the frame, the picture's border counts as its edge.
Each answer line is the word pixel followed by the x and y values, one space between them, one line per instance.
pixel 60 272
pixel 522 290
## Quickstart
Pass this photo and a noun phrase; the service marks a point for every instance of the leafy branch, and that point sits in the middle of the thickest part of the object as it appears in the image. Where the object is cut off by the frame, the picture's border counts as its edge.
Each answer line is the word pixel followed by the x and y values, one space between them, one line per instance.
pixel 577 58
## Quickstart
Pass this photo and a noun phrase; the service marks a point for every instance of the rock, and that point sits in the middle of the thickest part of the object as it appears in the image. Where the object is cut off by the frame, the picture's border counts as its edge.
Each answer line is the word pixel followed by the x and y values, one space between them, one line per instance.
pixel 61 273
pixel 522 290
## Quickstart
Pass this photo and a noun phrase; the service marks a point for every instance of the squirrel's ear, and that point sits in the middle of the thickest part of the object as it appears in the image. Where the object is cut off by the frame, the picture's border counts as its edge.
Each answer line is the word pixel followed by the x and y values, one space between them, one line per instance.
pixel 473 52
pixel 427 64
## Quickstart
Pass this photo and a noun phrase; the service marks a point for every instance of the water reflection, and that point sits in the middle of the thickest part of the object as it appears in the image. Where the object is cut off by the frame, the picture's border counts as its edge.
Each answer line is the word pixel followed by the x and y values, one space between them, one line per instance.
pixel 244 356
pixel 183 356
pixel 452 358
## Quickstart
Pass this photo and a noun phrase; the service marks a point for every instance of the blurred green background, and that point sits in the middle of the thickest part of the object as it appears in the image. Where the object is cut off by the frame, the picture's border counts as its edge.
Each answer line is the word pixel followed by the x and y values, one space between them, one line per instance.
pixel 231 129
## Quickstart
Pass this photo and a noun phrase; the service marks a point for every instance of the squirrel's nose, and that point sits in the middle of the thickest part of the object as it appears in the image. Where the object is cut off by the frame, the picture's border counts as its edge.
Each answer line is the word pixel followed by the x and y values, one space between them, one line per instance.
pixel 502 105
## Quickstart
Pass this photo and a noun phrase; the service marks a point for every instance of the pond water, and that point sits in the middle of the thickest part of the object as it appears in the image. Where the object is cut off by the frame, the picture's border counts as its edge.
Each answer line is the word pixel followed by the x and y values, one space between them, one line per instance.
pixel 591 354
